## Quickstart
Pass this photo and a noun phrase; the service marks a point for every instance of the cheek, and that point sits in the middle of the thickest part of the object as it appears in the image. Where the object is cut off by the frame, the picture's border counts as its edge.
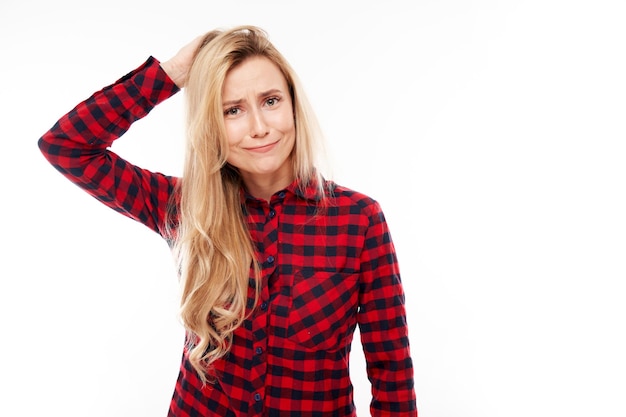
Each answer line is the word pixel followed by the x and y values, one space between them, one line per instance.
pixel 285 122
pixel 234 133
pixel 234 157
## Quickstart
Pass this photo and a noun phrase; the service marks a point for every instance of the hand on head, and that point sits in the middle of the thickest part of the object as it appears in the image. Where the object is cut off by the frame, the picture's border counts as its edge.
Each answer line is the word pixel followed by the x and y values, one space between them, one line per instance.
pixel 177 67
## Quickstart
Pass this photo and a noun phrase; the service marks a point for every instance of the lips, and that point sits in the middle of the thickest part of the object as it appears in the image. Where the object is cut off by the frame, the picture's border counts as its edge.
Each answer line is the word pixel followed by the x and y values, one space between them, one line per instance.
pixel 263 148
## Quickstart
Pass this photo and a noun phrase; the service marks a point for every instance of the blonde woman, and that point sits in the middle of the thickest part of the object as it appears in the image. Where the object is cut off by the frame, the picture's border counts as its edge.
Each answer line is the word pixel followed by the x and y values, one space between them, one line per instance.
pixel 278 265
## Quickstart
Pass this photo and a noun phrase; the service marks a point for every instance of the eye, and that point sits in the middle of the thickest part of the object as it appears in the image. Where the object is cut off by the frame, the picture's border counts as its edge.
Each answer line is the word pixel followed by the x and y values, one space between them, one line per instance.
pixel 232 111
pixel 272 101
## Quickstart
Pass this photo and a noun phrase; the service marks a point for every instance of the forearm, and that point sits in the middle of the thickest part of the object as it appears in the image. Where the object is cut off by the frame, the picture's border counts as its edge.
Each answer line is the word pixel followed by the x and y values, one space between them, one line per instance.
pixel 108 113
pixel 385 341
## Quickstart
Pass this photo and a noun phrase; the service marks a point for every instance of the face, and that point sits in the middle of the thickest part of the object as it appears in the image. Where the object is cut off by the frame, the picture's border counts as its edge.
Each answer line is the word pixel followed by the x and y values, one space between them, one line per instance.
pixel 258 115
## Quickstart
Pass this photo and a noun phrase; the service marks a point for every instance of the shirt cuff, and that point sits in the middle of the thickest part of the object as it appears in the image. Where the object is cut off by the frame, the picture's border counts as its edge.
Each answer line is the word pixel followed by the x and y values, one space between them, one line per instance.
pixel 151 81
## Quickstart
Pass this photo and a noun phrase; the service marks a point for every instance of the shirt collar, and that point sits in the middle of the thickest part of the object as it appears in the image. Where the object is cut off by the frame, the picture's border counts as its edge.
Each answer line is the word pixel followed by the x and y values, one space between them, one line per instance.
pixel 308 191
pixel 304 191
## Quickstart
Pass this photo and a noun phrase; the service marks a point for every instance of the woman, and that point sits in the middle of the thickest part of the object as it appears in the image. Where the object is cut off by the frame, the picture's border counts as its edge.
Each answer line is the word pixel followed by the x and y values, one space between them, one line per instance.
pixel 277 265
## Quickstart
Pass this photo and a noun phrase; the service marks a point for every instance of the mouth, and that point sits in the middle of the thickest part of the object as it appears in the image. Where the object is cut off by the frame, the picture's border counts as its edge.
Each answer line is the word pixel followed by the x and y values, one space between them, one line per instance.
pixel 262 148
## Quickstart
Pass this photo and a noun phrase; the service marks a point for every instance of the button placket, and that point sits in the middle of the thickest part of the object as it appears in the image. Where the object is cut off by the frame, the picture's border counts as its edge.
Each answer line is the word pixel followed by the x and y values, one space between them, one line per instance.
pixel 267 234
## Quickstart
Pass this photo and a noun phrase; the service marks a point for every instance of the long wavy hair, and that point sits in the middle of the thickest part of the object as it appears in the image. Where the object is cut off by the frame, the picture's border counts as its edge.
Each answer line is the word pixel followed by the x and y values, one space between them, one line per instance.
pixel 213 246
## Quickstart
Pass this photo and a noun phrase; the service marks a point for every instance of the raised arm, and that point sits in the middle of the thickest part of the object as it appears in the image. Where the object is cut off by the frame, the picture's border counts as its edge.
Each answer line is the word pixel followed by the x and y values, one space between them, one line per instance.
pixel 77 145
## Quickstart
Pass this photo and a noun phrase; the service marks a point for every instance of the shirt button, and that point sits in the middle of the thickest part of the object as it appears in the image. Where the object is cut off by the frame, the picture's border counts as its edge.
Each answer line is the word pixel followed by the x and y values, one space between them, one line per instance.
pixel 257 397
pixel 270 259
pixel 264 306
pixel 272 214
pixel 259 350
pixel 281 194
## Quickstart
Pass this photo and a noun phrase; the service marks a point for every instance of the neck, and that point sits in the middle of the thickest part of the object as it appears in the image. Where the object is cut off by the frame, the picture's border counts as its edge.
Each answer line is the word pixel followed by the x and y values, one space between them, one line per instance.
pixel 265 187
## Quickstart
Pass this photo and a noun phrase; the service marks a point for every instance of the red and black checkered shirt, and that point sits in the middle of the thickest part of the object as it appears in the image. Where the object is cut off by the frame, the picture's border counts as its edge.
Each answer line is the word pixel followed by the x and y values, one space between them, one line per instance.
pixel 321 275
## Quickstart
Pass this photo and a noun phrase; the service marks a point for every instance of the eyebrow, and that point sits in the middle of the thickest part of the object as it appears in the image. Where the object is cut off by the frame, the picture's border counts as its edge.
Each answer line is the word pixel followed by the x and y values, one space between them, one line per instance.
pixel 261 94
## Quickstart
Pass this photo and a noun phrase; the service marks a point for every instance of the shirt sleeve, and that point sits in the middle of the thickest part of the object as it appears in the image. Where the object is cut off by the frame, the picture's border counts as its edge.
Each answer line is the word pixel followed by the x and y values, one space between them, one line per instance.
pixel 77 146
pixel 383 326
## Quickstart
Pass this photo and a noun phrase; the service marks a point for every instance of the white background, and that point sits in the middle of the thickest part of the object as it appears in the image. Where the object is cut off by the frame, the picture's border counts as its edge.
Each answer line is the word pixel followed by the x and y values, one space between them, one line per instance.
pixel 492 133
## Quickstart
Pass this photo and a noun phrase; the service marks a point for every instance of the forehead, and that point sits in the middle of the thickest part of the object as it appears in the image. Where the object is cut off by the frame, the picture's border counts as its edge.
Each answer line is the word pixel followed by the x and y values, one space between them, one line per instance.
pixel 254 74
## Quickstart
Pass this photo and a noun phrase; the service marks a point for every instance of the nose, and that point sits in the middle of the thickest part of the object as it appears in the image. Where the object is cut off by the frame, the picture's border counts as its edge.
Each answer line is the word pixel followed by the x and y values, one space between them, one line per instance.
pixel 258 125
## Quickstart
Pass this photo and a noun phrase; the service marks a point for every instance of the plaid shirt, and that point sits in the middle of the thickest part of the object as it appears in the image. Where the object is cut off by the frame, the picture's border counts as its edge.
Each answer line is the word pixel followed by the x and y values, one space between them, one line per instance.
pixel 321 275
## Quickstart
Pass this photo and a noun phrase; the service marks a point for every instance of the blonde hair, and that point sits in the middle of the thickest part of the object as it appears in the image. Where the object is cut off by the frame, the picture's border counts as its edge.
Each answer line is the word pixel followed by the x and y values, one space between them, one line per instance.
pixel 212 241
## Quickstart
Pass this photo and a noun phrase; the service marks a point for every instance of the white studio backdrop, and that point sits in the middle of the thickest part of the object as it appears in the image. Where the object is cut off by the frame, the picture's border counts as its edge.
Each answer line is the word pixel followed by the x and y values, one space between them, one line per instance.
pixel 492 133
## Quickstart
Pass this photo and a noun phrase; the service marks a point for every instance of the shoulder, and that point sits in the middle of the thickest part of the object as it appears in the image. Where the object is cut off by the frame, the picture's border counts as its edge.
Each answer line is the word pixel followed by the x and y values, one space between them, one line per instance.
pixel 342 196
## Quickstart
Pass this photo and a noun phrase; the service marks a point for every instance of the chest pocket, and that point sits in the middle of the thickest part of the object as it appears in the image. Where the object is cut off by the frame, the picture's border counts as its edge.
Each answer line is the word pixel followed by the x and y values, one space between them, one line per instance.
pixel 323 309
